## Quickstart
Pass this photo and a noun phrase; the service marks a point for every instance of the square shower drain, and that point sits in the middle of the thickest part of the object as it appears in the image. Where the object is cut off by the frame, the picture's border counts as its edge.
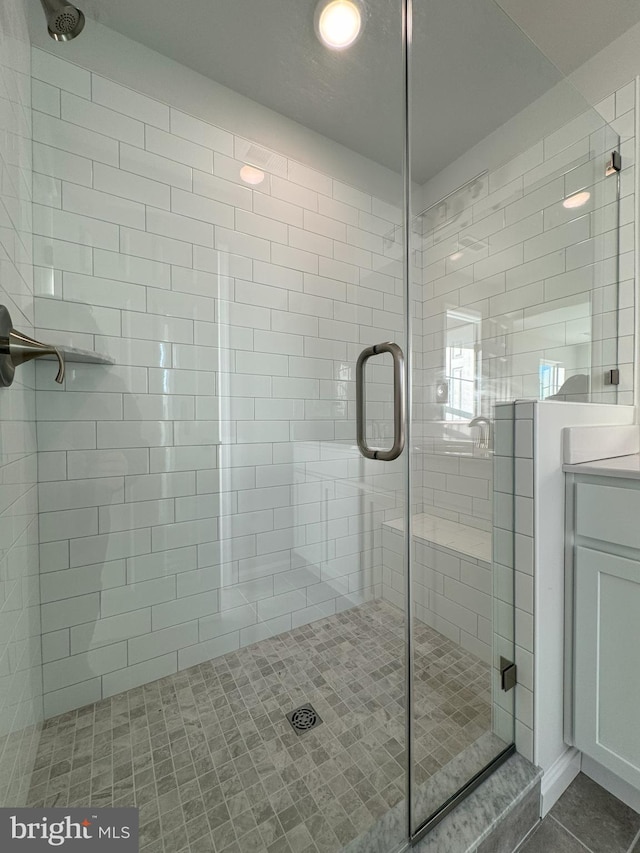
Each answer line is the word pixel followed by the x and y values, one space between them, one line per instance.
pixel 304 718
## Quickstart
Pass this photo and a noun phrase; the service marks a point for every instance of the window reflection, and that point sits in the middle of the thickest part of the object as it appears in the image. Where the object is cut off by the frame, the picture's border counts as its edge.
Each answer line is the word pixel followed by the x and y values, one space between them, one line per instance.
pixel 463 368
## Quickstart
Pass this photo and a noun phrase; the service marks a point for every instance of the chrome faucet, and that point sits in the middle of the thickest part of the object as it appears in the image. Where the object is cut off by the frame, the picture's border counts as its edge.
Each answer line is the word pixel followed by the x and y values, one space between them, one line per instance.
pixel 484 431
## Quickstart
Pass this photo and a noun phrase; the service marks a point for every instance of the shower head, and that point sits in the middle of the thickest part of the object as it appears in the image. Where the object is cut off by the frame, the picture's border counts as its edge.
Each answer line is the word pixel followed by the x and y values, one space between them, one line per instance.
pixel 65 22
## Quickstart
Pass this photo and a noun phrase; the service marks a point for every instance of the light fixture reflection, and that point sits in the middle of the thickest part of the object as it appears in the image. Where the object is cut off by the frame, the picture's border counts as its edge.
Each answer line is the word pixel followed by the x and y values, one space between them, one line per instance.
pixel 251 175
pixel 576 200
pixel 338 23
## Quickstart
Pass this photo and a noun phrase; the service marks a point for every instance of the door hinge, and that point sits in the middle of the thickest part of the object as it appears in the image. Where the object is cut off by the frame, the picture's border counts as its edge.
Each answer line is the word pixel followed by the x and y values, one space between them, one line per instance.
pixel 508 674
pixel 612 377
pixel 614 164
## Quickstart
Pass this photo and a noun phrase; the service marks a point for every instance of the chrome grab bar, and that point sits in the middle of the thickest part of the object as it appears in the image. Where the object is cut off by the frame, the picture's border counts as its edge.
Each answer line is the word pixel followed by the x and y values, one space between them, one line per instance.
pixel 398 402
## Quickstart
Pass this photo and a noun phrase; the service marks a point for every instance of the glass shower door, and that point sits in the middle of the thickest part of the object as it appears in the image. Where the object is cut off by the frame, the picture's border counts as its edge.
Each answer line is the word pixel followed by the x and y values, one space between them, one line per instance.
pixel 256 700
pixel 304 541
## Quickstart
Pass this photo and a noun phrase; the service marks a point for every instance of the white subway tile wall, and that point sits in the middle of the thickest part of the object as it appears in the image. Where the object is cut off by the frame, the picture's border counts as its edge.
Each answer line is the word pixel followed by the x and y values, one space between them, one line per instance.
pixel 519 569
pixel 506 706
pixel 512 273
pixel 209 481
pixel 205 491
pixel 452 584
pixel 20 655
pixel 538 284
pixel 506 272
pixel 538 281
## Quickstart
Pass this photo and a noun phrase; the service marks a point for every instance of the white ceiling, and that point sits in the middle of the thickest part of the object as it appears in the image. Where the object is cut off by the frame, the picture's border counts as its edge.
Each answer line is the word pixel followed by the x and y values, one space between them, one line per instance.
pixel 570 32
pixel 473 68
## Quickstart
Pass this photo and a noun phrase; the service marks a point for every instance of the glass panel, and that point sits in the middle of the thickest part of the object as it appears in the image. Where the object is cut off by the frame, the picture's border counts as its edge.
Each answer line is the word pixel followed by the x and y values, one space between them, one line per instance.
pixel 515 275
pixel 252 246
pixel 313 569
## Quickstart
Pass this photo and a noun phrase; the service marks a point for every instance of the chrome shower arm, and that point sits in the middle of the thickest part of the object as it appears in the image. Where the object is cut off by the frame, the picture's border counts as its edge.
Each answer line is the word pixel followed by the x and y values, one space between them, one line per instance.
pixel 52 7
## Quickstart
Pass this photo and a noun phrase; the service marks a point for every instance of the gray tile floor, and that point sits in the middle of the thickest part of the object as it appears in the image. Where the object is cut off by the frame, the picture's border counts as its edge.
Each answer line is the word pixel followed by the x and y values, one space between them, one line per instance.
pixel 211 761
pixel 586 818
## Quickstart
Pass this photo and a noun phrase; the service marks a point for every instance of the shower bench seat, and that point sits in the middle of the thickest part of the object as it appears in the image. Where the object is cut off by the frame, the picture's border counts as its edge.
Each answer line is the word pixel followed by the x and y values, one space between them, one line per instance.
pixel 433 530
pixel 452 587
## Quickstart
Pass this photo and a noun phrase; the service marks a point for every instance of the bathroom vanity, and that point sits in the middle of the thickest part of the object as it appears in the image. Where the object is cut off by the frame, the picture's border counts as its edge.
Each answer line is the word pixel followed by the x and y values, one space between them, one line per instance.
pixel 602 700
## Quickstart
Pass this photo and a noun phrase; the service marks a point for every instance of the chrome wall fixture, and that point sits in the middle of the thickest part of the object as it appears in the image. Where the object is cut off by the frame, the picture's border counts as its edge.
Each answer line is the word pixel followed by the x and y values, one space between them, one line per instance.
pixel 398 402
pixel 16 349
pixel 64 21
pixel 483 439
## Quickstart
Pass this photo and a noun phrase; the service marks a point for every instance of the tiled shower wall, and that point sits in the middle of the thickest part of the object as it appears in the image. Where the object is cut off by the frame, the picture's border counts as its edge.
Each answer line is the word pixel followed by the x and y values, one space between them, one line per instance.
pixel 205 491
pixel 20 662
pixel 529 535
pixel 178 564
pixel 535 283
pixel 513 568
pixel 539 281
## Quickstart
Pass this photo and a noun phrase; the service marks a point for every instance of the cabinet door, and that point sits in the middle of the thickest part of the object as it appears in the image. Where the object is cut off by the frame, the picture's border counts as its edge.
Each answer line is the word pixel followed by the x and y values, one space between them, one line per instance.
pixel 607 661
pixel 619 524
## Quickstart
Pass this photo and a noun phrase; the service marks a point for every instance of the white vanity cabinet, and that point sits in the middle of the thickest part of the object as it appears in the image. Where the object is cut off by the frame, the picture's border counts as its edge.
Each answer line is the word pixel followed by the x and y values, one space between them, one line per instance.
pixel 603 594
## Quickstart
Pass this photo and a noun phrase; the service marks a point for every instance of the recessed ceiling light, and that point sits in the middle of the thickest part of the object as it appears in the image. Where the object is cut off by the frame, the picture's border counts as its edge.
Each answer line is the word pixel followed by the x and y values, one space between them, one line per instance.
pixel 456 256
pixel 251 175
pixel 338 22
pixel 576 200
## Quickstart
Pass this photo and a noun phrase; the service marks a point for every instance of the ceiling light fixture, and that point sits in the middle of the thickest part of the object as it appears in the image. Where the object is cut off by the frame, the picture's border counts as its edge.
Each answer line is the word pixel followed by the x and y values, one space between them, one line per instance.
pixel 576 200
pixel 456 256
pixel 339 22
pixel 251 175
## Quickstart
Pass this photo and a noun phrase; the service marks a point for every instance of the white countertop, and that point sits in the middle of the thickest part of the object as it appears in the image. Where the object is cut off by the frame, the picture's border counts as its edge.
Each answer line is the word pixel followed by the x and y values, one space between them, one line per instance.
pixel 619 466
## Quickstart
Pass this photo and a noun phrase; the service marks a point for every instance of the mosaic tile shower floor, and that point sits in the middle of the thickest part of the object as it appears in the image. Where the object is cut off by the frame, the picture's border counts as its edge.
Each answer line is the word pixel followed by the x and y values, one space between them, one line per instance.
pixel 209 757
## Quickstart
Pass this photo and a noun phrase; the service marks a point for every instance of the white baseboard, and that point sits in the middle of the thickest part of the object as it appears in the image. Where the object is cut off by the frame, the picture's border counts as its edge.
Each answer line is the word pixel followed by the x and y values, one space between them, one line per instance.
pixel 611 783
pixel 559 776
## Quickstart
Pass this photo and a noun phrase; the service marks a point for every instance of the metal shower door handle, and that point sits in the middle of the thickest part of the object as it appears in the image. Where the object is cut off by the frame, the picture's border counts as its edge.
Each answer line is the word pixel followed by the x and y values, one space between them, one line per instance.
pixel 398 402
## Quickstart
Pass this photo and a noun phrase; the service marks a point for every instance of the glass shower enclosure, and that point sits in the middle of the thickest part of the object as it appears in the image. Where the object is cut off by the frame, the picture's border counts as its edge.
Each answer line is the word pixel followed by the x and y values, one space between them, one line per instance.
pixel 277 559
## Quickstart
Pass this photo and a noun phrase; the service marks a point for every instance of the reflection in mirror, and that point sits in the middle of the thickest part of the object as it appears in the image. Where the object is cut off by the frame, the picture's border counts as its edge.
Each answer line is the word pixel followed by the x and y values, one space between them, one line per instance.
pixel 463 365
